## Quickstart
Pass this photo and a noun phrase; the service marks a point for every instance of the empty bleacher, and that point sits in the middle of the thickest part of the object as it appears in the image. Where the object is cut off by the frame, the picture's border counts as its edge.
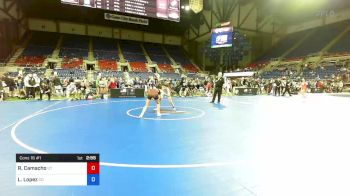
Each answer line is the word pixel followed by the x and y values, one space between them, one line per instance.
pixel 138 67
pixel 74 50
pixel 273 74
pixel 319 39
pixel 190 68
pixel 282 46
pixel 177 53
pixel 103 46
pixel 108 65
pixel 173 76
pixel 158 56
pixel 166 68
pixel 40 71
pixel 106 52
pixel 106 73
pixel 141 75
pixel 40 46
pixel 156 53
pixel 342 46
pixel 132 51
pixel 68 73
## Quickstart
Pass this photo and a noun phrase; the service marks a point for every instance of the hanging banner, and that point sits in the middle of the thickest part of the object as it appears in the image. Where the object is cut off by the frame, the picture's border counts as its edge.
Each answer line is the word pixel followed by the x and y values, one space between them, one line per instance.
pixel 127 19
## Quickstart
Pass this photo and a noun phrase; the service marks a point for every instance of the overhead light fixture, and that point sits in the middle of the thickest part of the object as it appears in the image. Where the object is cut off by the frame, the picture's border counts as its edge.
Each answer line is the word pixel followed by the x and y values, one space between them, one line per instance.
pixel 187 8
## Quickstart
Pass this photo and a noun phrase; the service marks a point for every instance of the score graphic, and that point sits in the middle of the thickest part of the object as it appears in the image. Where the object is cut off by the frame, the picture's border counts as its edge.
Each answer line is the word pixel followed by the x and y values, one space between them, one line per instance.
pixel 93 173
pixel 57 169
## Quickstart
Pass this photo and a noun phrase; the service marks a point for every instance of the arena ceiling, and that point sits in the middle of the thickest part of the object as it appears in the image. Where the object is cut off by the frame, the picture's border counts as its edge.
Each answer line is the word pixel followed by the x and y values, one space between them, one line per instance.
pixel 296 11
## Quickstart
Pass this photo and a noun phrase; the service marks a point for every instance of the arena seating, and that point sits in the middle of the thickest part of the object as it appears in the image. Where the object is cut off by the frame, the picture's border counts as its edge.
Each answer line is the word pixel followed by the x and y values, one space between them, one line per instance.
pixel 34 70
pixel 159 57
pixel 73 53
pixel 29 61
pixel 194 76
pixel 277 73
pixel 75 41
pixel 342 46
pixel 141 75
pixel 106 52
pixel 105 49
pixel 74 50
pixel 106 55
pixel 108 64
pixel 40 46
pixel 190 68
pixel 174 76
pixel 118 74
pixel 282 46
pixel 156 53
pixel 318 40
pixel 74 73
pixel 72 63
pixel 179 56
pixel 132 51
pixel 322 72
pixel 166 68
pixel 111 73
pixel 13 73
pixel 138 67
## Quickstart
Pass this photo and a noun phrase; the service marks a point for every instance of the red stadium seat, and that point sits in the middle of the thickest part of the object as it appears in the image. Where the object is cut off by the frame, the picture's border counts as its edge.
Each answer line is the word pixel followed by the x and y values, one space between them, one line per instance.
pixel 108 65
pixel 190 68
pixel 138 67
pixel 30 61
pixel 74 63
pixel 166 68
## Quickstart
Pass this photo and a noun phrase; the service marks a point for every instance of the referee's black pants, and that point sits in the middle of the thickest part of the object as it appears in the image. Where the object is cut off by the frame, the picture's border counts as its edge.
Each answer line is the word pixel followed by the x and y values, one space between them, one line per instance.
pixel 30 92
pixel 217 92
pixel 47 93
pixel 287 90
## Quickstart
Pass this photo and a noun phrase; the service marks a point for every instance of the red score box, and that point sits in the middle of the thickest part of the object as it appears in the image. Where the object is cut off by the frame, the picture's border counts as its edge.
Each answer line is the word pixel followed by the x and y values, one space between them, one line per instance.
pixel 93 168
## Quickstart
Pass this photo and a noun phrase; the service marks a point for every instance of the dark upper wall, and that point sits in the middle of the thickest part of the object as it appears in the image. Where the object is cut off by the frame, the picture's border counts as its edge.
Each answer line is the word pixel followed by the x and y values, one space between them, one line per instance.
pixel 53 9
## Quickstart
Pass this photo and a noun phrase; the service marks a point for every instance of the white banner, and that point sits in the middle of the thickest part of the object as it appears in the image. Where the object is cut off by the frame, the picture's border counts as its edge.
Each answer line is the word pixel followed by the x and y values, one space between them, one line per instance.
pixel 240 74
pixel 127 19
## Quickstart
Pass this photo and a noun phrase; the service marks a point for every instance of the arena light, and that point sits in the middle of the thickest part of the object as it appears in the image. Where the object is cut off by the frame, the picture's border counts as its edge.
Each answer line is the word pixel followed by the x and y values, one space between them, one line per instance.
pixel 187 8
pixel 196 6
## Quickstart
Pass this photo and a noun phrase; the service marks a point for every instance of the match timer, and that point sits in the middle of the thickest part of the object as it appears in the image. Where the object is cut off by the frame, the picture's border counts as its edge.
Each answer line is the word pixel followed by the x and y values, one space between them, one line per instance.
pixel 57 169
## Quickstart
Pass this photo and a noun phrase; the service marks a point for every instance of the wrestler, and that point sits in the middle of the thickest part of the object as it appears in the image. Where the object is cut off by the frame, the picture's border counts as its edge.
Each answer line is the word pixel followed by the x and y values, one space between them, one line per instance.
pixel 152 93
pixel 166 91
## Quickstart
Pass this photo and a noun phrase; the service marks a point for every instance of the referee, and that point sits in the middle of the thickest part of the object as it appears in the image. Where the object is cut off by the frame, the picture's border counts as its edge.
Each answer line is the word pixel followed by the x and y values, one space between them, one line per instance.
pixel 219 83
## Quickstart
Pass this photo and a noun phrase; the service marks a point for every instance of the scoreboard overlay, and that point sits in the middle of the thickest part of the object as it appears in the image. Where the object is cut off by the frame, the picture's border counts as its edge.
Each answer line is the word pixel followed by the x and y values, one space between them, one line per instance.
pixel 57 169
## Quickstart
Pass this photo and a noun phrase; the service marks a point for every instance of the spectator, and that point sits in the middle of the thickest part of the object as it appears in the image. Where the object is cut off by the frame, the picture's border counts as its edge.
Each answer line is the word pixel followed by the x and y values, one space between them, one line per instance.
pixel 45 88
pixel 29 83
pixel 103 88
pixel 2 83
pixel 71 91
pixel 57 85
pixel 113 84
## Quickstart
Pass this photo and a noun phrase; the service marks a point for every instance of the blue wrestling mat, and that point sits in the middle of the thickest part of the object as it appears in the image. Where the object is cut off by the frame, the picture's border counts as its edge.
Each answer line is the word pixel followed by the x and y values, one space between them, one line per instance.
pixel 244 146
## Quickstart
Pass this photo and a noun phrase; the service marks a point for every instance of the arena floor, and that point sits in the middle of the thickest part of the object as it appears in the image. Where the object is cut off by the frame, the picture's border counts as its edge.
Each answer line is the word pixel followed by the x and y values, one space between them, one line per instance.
pixel 245 146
